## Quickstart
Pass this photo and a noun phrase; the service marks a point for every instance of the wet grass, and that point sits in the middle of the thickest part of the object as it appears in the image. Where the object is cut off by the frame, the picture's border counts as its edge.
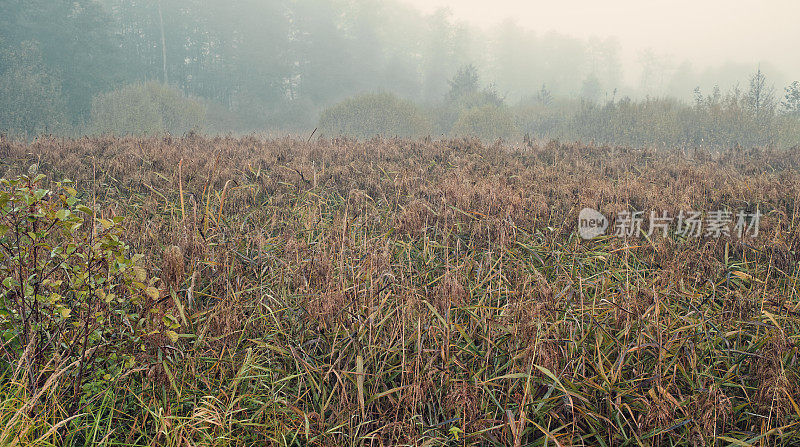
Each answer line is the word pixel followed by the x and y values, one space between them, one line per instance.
pixel 434 293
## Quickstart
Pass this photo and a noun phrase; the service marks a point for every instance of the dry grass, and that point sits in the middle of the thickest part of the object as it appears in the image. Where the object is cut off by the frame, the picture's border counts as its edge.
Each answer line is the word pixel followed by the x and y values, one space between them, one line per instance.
pixel 436 293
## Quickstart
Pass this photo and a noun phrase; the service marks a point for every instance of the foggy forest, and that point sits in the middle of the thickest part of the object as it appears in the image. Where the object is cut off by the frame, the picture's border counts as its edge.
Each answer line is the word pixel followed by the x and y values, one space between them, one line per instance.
pixel 361 69
pixel 429 223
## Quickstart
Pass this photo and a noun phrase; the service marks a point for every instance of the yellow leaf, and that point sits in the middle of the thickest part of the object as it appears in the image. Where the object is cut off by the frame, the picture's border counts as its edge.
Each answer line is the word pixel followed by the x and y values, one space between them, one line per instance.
pixel 172 336
pixel 141 274
pixel 152 292
pixel 742 275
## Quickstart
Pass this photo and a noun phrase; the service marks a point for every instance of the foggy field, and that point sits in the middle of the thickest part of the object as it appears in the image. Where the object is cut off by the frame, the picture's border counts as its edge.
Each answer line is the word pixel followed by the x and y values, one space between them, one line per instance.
pixel 399 223
pixel 336 292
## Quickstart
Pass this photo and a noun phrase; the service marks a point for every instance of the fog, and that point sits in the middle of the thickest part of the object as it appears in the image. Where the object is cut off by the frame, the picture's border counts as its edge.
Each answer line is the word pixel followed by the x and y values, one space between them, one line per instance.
pixel 708 34
pixel 505 68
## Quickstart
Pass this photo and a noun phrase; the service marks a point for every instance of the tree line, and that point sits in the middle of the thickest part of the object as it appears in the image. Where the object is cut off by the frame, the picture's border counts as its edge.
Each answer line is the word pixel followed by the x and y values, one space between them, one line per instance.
pixel 267 63
pixel 136 65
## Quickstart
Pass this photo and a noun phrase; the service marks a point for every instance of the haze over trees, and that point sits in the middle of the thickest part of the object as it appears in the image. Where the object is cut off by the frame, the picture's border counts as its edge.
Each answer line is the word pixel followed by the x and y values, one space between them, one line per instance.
pixel 278 66
pixel 345 222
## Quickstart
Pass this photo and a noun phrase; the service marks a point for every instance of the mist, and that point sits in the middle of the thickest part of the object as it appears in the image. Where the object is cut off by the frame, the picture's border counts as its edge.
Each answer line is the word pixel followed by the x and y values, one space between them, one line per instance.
pixel 508 69
pixel 709 35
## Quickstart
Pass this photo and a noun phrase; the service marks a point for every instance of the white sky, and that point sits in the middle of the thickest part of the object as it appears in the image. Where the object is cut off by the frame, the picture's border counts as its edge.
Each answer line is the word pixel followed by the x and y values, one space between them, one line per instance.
pixel 705 32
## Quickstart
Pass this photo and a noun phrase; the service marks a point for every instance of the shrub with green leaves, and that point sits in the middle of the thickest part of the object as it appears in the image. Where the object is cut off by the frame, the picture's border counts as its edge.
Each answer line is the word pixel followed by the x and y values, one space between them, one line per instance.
pixel 69 290
pixel 487 122
pixel 146 109
pixel 374 114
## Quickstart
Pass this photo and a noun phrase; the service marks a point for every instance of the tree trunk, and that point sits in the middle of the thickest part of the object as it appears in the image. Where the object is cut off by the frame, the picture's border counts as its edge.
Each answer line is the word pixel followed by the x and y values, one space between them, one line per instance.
pixel 163 44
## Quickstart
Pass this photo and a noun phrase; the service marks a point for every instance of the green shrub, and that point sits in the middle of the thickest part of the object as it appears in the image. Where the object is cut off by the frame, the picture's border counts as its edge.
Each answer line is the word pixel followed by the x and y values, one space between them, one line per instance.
pixel 68 292
pixel 544 119
pixel 373 114
pixel 789 131
pixel 487 122
pixel 150 108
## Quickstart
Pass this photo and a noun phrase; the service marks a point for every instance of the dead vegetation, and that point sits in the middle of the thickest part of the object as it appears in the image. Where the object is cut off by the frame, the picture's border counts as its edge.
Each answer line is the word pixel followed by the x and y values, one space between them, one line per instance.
pixel 436 293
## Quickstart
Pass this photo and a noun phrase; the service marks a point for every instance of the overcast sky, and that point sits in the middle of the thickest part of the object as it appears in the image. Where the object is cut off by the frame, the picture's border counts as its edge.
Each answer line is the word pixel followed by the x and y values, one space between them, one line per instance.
pixel 705 32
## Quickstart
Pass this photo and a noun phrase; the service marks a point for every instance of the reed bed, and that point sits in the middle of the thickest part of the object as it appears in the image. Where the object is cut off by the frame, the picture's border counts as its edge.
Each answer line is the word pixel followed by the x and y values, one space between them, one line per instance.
pixel 397 292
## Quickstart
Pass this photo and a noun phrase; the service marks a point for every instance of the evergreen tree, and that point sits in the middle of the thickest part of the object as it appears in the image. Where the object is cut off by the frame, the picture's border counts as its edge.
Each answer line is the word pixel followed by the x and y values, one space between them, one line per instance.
pixel 791 100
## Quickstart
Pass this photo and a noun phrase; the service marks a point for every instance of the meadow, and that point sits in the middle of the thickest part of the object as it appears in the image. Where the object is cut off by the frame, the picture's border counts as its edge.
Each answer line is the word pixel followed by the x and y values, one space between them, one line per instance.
pixel 238 291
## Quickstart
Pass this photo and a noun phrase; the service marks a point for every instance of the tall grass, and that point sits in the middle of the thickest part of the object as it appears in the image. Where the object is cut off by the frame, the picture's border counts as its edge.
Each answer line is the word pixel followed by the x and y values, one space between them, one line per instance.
pixel 397 292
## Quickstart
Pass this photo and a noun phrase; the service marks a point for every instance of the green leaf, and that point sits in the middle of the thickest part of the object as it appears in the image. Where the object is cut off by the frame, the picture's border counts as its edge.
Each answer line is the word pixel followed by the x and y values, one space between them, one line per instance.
pixel 63 214
pixel 85 210
pixel 170 321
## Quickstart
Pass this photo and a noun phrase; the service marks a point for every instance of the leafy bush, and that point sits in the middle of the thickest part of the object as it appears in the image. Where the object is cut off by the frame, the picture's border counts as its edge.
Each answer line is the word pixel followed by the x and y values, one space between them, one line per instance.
pixel 487 122
pixel 542 117
pixel 150 108
pixel 68 291
pixel 373 114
